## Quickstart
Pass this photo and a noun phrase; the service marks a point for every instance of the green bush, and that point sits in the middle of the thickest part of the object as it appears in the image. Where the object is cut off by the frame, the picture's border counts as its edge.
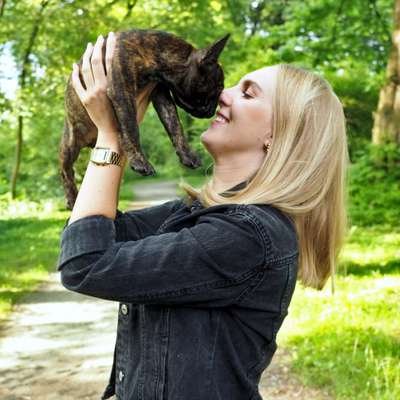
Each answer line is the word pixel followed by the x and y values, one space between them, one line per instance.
pixel 374 191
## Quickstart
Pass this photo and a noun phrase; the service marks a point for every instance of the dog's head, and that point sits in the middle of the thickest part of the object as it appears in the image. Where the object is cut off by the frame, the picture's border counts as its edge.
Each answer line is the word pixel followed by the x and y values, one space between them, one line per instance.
pixel 201 81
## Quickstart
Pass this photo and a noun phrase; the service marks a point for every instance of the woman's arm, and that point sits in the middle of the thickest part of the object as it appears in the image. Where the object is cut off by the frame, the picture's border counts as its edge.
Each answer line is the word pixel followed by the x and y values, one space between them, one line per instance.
pixel 99 191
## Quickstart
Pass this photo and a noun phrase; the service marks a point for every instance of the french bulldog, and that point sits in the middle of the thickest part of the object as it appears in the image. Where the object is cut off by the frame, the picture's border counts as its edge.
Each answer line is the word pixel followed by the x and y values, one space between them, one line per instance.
pixel 147 66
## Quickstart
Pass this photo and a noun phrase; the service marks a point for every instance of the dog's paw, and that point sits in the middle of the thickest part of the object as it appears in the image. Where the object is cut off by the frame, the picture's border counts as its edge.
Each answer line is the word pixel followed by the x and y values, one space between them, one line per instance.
pixel 190 159
pixel 142 167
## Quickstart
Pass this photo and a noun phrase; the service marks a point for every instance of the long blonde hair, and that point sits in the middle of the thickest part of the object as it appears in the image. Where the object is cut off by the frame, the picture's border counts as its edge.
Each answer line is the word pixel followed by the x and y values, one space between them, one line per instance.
pixel 304 173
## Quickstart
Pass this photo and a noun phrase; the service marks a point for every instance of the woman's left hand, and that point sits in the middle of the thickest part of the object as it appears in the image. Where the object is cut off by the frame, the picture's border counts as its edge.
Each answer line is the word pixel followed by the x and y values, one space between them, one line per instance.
pixel 94 97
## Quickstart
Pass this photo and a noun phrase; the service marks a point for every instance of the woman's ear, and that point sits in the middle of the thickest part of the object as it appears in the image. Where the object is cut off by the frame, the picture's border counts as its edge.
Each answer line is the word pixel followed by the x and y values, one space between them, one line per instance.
pixel 268 139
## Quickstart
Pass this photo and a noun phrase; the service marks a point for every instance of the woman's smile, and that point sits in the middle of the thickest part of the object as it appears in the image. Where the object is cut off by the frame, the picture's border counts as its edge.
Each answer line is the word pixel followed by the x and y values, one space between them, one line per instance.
pixel 219 120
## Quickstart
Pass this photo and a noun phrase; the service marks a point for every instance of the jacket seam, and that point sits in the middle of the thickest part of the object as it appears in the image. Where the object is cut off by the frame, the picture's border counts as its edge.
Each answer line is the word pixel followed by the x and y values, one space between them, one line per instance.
pixel 269 255
pixel 253 286
pixel 206 285
pixel 265 239
pixel 212 358
pixel 216 284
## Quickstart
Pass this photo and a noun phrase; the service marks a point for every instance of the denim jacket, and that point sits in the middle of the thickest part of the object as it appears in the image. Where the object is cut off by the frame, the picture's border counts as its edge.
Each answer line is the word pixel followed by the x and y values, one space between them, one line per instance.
pixel 202 293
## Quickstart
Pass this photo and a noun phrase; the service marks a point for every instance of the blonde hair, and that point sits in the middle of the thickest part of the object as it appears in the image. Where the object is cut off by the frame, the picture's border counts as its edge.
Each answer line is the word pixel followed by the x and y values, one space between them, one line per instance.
pixel 304 173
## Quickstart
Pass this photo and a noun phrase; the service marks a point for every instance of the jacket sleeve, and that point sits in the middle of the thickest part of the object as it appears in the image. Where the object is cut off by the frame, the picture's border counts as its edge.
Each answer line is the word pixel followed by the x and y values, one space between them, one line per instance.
pixel 210 264
pixel 137 224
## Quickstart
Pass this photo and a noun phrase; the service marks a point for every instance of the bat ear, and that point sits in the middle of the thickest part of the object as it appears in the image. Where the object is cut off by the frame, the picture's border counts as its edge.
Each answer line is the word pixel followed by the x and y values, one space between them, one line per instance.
pixel 211 53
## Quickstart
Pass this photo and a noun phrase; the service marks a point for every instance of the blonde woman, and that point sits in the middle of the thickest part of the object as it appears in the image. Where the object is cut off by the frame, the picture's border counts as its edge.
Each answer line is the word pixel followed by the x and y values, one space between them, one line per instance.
pixel 204 283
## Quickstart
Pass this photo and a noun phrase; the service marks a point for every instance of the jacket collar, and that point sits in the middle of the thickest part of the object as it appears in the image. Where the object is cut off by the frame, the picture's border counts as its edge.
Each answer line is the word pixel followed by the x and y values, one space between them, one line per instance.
pixel 196 204
pixel 235 188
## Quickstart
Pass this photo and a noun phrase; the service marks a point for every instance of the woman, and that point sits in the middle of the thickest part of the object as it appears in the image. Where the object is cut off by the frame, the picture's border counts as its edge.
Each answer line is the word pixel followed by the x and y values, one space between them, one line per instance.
pixel 204 286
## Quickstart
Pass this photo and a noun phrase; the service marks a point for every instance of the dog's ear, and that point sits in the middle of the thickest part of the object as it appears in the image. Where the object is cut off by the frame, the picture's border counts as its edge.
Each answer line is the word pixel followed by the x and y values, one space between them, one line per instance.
pixel 211 53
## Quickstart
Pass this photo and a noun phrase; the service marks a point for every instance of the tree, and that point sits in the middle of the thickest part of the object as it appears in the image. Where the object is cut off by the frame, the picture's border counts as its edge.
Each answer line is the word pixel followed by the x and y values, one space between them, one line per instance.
pixel 387 117
pixel 22 79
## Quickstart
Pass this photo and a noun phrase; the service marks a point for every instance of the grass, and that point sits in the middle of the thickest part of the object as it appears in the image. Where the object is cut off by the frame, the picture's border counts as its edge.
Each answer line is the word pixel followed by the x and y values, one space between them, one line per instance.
pixel 348 343
pixel 28 251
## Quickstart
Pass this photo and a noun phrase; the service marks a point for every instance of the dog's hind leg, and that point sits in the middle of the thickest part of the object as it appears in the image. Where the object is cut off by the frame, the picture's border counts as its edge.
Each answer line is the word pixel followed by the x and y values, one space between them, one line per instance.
pixel 68 153
pixel 122 93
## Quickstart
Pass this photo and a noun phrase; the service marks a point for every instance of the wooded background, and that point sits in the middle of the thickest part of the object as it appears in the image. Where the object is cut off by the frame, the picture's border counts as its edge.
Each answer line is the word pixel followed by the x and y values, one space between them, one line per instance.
pixel 354 44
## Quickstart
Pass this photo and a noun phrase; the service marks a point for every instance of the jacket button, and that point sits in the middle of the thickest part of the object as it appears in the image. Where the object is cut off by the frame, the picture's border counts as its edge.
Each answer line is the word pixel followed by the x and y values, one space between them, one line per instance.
pixel 124 309
pixel 121 376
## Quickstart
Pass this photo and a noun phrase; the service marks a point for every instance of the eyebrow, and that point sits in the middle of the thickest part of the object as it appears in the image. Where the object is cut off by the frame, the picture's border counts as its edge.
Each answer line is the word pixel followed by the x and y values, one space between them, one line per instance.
pixel 252 83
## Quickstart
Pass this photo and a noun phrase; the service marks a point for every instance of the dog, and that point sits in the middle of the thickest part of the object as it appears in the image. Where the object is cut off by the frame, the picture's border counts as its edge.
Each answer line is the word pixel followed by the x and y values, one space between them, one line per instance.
pixel 151 66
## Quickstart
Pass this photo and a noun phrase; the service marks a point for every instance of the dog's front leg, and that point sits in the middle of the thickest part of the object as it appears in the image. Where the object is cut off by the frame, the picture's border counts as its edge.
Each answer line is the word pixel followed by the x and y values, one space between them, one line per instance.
pixel 167 112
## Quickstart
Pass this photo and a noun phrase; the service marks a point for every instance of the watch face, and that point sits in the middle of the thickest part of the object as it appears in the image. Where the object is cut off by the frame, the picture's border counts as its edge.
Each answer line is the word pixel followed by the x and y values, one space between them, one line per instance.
pixel 104 157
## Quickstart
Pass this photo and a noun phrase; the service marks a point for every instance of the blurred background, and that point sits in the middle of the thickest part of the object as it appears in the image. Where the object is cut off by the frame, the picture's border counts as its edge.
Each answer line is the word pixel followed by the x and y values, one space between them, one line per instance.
pixel 339 345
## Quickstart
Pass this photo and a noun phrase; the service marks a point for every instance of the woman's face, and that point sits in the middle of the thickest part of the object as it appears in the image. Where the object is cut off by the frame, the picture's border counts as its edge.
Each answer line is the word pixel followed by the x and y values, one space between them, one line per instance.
pixel 248 107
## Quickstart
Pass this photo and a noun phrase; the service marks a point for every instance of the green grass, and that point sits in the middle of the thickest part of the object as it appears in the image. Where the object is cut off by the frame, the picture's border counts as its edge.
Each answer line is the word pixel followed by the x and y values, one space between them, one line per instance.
pixel 28 250
pixel 349 342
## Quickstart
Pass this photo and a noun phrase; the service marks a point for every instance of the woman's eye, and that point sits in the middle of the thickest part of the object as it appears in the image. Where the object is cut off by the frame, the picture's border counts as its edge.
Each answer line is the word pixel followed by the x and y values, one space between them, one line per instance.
pixel 247 96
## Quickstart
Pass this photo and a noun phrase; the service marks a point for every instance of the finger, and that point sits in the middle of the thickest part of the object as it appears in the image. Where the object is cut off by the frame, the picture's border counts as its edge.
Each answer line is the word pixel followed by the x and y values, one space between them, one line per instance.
pixel 76 82
pixel 110 46
pixel 97 62
pixel 86 67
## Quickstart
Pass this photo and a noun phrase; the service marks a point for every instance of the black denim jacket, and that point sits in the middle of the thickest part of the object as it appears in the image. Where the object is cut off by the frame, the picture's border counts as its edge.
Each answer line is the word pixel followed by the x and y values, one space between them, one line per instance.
pixel 202 292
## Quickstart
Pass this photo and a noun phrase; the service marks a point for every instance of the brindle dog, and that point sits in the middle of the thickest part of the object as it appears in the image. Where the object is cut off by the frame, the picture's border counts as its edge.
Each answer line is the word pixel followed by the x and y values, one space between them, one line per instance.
pixel 148 65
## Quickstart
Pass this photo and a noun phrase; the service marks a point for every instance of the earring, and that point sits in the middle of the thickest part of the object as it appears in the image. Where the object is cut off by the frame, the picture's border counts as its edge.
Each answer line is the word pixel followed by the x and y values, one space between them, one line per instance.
pixel 266 148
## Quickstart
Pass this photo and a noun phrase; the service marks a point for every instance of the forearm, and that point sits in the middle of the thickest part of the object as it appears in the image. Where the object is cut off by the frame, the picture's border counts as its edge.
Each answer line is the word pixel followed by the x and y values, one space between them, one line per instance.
pixel 99 191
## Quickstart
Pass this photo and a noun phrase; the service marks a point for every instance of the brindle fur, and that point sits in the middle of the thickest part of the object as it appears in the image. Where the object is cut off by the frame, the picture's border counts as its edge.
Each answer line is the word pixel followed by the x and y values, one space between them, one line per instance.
pixel 167 71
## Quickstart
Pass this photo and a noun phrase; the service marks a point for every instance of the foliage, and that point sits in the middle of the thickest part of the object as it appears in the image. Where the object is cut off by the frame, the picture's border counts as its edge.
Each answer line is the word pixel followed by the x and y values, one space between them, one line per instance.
pixel 316 34
pixel 375 186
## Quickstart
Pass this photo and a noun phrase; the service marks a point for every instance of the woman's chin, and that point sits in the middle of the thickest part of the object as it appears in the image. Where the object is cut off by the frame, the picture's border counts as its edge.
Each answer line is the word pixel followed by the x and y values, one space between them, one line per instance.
pixel 213 128
pixel 208 137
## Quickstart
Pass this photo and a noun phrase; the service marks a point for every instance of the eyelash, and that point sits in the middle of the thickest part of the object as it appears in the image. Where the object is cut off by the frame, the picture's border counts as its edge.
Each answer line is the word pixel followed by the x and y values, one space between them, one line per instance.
pixel 248 96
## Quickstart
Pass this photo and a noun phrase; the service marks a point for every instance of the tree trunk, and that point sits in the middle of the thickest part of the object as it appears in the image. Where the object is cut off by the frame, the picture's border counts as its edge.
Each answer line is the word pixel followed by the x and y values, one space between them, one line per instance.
pixel 18 150
pixel 2 7
pixel 22 83
pixel 387 116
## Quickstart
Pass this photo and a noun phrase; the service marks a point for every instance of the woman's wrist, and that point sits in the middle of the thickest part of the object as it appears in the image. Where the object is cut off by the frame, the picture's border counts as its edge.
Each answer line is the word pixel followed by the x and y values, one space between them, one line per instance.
pixel 108 139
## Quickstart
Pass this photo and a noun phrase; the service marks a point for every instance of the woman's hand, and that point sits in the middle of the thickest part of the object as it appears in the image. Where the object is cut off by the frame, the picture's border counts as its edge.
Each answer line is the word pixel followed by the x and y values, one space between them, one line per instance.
pixel 94 97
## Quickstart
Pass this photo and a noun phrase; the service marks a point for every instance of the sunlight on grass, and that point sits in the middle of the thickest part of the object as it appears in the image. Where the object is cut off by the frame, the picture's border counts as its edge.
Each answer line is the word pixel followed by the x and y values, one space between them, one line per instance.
pixel 368 245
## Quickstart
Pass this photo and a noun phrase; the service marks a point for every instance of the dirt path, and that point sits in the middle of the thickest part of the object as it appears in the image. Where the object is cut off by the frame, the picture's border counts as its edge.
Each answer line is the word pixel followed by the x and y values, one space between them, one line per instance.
pixel 58 345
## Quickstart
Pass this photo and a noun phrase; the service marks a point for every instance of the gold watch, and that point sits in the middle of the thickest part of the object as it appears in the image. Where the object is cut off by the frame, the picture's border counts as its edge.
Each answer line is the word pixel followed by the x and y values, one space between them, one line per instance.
pixel 105 156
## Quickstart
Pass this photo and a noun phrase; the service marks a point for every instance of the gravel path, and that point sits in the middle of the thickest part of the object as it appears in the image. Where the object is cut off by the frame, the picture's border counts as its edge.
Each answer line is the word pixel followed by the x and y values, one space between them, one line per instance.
pixel 58 345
